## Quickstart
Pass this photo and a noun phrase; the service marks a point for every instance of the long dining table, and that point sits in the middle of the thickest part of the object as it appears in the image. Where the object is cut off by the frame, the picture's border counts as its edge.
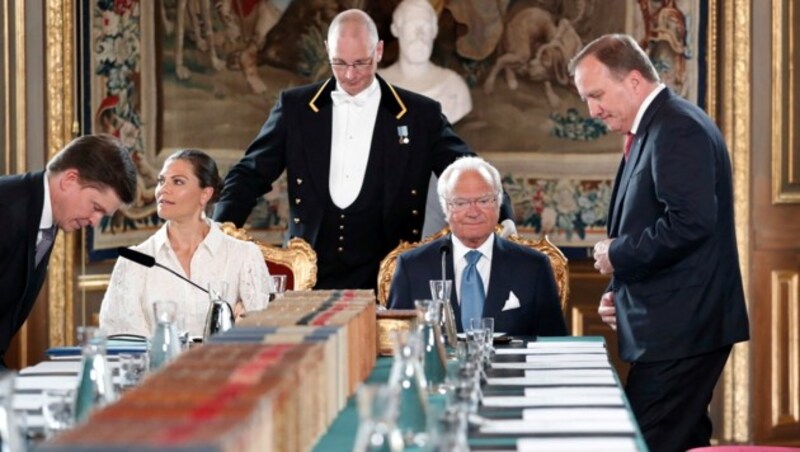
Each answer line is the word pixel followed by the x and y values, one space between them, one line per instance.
pixel 548 393
pixel 558 393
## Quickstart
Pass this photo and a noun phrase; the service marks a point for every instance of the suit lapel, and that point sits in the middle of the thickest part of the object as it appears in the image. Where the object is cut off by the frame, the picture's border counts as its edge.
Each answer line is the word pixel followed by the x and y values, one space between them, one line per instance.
pixel 613 223
pixel 499 285
pixel 626 171
pixel 316 125
pixel 392 118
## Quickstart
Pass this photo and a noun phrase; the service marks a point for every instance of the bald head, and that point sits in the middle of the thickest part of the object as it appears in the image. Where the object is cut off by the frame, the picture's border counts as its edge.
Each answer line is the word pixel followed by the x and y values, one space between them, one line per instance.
pixel 350 22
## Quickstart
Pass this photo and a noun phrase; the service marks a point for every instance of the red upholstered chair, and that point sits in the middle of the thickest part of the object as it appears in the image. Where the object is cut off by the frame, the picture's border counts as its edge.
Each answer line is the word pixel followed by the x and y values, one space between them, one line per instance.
pixel 297 260
pixel 737 448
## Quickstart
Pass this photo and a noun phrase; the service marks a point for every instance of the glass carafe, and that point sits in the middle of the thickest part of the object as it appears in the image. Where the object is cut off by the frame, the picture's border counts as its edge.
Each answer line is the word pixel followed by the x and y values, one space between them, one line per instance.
pixel 377 412
pixel 441 290
pixel 95 387
pixel 165 344
pixel 433 355
pixel 408 379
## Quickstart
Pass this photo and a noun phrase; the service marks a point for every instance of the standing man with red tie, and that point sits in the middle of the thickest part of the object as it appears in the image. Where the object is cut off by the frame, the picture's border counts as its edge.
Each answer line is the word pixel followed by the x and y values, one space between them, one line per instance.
pixel 676 297
pixel 91 177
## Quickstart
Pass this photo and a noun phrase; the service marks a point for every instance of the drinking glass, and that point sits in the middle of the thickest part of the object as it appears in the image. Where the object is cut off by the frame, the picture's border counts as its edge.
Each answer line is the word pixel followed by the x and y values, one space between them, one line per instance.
pixel 132 368
pixel 278 286
pixel 447 430
pixel 465 391
pixel 487 324
pixel 164 345
pixel 377 412
pixel 58 410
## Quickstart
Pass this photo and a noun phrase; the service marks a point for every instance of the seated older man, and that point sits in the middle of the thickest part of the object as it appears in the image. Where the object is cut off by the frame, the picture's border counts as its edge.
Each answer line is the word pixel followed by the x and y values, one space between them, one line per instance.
pixel 493 277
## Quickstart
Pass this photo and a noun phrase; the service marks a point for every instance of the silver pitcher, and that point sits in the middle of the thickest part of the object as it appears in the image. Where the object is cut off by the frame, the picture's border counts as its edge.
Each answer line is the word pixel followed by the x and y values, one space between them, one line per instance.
pixel 220 314
pixel 219 318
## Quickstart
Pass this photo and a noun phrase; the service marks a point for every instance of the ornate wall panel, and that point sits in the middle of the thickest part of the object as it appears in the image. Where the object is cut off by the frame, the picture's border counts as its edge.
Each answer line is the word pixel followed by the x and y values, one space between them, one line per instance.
pixel 785 148
pixel 729 56
pixel 59 57
pixel 785 353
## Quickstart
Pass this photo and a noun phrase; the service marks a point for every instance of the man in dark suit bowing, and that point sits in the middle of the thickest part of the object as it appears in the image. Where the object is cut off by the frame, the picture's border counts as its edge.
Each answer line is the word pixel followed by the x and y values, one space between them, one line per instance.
pixel 493 277
pixel 91 177
pixel 358 154
pixel 676 297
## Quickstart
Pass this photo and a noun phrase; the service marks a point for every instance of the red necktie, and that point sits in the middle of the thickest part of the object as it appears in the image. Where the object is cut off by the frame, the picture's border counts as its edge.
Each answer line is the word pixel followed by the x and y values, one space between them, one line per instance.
pixel 628 143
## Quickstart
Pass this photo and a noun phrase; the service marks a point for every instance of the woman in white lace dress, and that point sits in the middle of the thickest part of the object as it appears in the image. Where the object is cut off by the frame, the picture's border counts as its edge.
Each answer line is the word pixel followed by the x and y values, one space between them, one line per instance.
pixel 193 246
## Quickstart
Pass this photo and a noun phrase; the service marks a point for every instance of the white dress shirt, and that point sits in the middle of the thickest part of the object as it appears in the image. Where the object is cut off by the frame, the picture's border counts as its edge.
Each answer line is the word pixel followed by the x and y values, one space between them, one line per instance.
pixel 46 221
pixel 646 103
pixel 351 139
pixel 128 303
pixel 484 265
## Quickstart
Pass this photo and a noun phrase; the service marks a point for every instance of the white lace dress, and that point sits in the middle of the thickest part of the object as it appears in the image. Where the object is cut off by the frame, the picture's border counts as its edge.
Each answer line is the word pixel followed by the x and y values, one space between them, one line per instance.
pixel 128 303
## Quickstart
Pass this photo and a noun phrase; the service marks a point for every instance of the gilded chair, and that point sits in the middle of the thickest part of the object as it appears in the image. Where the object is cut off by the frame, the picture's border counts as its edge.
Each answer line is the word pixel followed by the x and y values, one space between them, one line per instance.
pixel 557 260
pixel 297 260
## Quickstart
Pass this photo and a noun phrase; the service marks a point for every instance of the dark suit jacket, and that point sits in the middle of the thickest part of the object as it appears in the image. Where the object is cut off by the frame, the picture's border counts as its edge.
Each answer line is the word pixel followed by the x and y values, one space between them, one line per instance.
pixel 677 286
pixel 297 137
pixel 515 268
pixel 21 203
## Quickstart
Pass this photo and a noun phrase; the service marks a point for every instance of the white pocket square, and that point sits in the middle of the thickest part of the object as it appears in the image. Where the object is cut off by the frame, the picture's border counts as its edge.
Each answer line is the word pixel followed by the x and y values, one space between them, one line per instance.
pixel 512 302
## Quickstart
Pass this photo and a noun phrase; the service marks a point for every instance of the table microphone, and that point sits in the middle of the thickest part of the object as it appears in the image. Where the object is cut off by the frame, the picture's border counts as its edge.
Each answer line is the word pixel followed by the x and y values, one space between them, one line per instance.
pixel 443 250
pixel 150 261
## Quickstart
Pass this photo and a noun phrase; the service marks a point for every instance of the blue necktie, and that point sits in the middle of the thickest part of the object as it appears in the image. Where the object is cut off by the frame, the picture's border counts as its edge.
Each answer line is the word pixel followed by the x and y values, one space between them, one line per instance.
pixel 472 294
pixel 48 235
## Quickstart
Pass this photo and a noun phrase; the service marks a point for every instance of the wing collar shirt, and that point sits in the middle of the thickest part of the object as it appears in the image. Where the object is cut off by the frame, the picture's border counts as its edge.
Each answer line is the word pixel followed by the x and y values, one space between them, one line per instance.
pixel 47 211
pixel 484 264
pixel 646 103
pixel 128 304
pixel 351 140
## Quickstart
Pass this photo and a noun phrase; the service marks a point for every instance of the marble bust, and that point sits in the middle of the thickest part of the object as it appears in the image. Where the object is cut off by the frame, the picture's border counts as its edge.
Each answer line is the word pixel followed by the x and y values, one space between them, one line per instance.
pixel 415 25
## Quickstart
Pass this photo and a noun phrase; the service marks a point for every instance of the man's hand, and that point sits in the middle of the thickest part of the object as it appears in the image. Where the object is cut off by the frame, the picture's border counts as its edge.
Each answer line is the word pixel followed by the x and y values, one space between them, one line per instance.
pixel 607 311
pixel 601 261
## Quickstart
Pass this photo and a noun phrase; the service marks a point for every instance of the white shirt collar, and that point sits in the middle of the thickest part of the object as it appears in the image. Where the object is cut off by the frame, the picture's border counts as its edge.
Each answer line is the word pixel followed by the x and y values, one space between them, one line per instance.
pixel 211 242
pixel 46 221
pixel 646 103
pixel 362 97
pixel 460 250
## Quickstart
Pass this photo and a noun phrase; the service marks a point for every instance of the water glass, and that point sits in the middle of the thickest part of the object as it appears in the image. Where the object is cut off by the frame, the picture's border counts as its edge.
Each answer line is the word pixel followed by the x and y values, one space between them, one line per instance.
pixel 465 391
pixel 132 368
pixel 58 410
pixel 447 431
pixel 183 330
pixel 278 286
pixel 441 289
pixel 164 345
pixel 487 325
pixel 377 412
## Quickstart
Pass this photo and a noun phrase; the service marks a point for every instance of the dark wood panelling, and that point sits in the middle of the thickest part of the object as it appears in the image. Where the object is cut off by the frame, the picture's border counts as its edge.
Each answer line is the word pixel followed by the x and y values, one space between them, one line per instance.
pixel 586 286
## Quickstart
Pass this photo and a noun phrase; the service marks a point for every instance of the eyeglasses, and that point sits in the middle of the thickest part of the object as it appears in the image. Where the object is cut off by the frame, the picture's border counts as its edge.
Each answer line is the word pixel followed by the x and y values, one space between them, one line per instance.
pixel 461 204
pixel 361 65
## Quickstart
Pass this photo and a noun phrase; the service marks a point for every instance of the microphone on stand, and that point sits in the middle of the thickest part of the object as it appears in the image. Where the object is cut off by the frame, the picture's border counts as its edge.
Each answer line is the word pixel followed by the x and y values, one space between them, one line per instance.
pixel 150 261
pixel 447 309
pixel 443 250
pixel 220 314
